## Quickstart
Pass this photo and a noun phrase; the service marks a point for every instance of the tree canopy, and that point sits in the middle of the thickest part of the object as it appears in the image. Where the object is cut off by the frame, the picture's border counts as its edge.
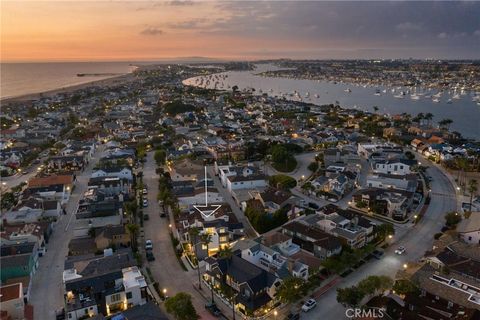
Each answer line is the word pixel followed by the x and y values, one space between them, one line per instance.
pixel 282 181
pixel 181 307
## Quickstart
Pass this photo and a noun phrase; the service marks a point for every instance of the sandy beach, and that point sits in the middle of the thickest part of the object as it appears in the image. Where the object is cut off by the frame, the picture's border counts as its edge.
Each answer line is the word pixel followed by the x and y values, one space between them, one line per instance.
pixel 114 80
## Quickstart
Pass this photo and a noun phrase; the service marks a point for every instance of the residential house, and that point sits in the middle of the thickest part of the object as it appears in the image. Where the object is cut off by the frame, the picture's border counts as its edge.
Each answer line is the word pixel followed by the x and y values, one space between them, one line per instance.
pixel 18 261
pixel 13 304
pixel 312 239
pixel 106 285
pixel 111 236
pixel 254 288
pixel 113 172
pixel 395 167
pixel 271 260
pixel 469 229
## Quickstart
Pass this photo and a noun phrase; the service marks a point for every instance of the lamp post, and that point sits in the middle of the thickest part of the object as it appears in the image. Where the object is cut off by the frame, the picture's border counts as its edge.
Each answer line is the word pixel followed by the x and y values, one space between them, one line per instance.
pixel 275 313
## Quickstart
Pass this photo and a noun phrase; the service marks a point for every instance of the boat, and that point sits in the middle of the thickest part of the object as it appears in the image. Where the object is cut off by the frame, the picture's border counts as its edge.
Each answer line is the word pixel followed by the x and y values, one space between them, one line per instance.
pixel 415 97
pixel 399 96
pixel 347 90
pixel 436 100
pixel 449 101
pixel 456 96
pixel 316 95
pixel 377 93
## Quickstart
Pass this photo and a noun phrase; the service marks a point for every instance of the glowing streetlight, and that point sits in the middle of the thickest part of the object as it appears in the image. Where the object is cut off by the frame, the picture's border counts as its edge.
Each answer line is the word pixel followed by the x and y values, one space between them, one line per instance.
pixel 390 236
pixel 275 313
pixel 405 266
pixel 170 225
pixel 164 291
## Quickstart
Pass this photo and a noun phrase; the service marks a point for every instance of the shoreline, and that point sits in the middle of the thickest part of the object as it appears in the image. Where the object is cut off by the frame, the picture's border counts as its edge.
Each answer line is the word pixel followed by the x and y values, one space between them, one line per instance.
pixel 69 88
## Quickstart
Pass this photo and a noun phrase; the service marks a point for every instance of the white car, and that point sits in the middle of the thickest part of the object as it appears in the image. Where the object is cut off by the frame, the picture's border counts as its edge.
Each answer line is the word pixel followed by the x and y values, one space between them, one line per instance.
pixel 144 191
pixel 400 250
pixel 148 245
pixel 145 203
pixel 309 305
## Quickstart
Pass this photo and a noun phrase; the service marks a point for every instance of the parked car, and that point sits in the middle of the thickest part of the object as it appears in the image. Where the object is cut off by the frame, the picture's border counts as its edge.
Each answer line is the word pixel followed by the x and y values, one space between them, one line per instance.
pixel 163 215
pixel 400 250
pixel 213 309
pixel 148 245
pixel 145 203
pixel 293 316
pixel 145 191
pixel 377 254
pixel 150 256
pixel 146 217
pixel 309 305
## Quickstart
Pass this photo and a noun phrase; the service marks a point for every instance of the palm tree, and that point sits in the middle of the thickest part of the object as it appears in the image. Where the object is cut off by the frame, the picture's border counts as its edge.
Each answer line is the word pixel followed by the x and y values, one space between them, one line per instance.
pixel 193 234
pixel 227 253
pixel 428 116
pixel 133 230
pixel 472 189
pixel 445 123
pixel 206 239
pixel 462 164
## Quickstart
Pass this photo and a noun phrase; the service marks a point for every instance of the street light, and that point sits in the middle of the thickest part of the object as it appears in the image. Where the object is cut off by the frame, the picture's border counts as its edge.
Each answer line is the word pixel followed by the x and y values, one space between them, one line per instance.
pixel 390 236
pixel 405 266
pixel 275 313
pixel 170 225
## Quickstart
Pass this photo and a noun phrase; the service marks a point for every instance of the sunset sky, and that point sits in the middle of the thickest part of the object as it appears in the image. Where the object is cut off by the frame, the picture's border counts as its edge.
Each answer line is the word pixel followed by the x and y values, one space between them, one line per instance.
pixel 101 30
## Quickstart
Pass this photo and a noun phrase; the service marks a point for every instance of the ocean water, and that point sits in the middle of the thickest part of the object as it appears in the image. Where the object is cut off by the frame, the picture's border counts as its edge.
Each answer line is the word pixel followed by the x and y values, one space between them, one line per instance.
pixel 25 78
pixel 464 111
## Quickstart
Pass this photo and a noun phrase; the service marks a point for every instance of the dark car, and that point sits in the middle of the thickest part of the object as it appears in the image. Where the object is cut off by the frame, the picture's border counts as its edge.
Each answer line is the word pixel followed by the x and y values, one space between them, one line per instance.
pixel 313 205
pixel 146 217
pixel 213 309
pixel 292 316
pixel 163 215
pixel 377 254
pixel 150 256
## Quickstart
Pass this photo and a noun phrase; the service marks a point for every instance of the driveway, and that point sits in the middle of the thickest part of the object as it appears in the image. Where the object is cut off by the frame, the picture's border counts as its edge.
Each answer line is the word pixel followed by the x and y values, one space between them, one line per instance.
pixel 47 284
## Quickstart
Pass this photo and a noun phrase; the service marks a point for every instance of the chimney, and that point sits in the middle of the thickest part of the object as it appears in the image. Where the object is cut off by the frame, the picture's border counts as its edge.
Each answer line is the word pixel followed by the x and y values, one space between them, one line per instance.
pixel 290 263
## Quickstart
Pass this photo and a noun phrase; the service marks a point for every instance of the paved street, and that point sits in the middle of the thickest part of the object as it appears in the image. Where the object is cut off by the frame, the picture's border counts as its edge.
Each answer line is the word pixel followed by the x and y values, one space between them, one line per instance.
pixel 416 242
pixel 16 179
pixel 166 269
pixel 47 287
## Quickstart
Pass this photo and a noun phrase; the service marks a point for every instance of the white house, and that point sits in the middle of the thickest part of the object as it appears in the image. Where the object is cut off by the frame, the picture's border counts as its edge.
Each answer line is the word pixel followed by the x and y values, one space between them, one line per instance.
pixel 121 173
pixel 469 229
pixel 271 260
pixel 246 182
pixel 396 167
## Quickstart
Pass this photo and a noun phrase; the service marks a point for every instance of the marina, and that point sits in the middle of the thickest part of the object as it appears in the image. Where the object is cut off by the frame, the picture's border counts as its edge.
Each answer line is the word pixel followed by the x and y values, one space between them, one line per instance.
pixel 462 107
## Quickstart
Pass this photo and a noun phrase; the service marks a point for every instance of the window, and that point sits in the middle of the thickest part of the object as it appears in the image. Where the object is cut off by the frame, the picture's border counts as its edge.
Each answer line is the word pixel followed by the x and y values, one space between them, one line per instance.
pixel 129 295
pixel 115 297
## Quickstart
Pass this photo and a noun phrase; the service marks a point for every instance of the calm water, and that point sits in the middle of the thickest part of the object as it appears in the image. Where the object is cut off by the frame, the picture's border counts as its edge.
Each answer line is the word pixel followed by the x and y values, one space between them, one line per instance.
pixel 464 112
pixel 24 78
